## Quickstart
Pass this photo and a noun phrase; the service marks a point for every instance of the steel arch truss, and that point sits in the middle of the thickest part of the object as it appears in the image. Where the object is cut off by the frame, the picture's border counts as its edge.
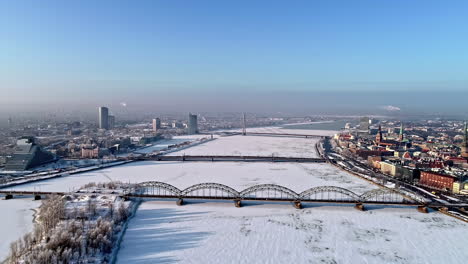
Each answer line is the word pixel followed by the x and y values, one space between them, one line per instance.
pixel 383 196
pixel 159 188
pixel 268 191
pixel 274 192
pixel 210 190
pixel 329 193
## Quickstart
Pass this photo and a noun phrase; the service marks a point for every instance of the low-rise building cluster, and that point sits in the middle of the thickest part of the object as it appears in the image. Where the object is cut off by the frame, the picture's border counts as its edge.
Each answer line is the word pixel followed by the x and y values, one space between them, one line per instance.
pixel 431 156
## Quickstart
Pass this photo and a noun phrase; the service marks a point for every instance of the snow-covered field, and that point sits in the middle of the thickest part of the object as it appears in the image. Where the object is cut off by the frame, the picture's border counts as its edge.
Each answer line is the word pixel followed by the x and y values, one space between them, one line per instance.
pixel 238 175
pixel 162 232
pixel 165 143
pixel 255 146
pixel 16 220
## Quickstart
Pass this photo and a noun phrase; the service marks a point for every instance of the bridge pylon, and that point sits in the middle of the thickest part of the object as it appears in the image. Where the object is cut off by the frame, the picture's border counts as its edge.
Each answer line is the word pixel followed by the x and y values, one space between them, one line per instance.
pixel 297 204
pixel 8 196
pixel 238 203
pixel 423 209
pixel 360 207
pixel 180 202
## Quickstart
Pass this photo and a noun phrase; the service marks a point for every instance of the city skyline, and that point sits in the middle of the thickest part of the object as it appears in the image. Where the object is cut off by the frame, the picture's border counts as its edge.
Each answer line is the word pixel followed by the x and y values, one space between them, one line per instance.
pixel 233 131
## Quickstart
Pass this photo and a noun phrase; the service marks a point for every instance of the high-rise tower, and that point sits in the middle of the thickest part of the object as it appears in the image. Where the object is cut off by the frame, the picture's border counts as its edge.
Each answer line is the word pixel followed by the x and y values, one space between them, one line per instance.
pixel 192 124
pixel 111 123
pixel 156 124
pixel 103 117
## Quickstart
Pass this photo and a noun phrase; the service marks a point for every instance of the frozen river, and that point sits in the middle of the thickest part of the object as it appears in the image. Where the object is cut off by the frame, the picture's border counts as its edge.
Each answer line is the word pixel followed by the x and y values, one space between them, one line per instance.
pixel 17 220
pixel 238 175
pixel 256 146
pixel 162 232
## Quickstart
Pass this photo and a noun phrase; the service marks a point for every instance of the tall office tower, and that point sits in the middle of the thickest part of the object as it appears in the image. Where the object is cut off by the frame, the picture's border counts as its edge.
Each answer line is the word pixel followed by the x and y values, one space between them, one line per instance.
pixel 103 117
pixel 10 122
pixel 364 124
pixel 111 121
pixel 192 124
pixel 156 124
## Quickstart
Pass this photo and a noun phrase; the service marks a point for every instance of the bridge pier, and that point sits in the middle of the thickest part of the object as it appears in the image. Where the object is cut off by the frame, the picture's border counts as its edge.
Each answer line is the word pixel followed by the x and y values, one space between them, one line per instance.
pixel 423 209
pixel 180 202
pixel 238 203
pixel 37 197
pixel 297 205
pixel 8 196
pixel 360 207
pixel 124 197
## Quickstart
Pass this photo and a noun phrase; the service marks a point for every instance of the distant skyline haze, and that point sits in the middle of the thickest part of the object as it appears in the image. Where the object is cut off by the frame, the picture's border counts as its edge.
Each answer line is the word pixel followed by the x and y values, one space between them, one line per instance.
pixel 299 56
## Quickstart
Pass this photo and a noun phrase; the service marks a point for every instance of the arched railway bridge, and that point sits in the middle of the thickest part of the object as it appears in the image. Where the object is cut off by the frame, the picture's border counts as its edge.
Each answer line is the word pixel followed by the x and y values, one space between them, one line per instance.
pixel 262 192
pixel 273 193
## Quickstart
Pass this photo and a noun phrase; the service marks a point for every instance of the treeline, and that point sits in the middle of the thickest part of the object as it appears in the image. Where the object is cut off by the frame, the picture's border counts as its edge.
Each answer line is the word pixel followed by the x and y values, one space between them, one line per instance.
pixel 65 233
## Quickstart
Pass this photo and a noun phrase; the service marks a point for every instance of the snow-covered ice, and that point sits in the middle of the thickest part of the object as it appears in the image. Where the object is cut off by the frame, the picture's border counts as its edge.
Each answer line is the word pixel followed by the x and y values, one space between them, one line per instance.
pixel 162 232
pixel 255 146
pixel 17 220
pixel 282 130
pixel 238 175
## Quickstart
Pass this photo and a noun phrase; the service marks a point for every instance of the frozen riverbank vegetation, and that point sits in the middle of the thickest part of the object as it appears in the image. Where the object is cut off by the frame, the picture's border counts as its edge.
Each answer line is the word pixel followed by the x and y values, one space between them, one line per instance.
pixel 76 228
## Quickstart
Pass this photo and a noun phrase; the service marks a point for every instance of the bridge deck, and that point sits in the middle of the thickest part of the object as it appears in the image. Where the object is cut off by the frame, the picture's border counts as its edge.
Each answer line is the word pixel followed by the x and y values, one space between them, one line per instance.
pixel 226 158
pixel 226 198
pixel 231 133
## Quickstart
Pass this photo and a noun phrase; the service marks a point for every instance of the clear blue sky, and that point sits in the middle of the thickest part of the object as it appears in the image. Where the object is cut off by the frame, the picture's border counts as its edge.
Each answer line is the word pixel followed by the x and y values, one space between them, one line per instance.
pixel 78 48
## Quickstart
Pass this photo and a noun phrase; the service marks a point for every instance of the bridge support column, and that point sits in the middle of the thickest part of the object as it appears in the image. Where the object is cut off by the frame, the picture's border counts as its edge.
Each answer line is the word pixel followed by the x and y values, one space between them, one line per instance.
pixel 180 202
pixel 443 209
pixel 37 197
pixel 8 196
pixel 238 203
pixel 422 209
pixel 297 205
pixel 360 207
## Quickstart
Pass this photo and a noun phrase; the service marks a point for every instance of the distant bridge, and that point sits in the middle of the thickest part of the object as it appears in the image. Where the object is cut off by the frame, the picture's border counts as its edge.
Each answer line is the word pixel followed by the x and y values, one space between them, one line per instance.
pixel 227 158
pixel 234 133
pixel 283 135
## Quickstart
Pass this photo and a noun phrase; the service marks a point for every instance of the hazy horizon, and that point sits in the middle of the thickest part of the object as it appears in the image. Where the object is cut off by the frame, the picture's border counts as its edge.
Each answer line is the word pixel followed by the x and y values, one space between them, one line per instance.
pixel 304 57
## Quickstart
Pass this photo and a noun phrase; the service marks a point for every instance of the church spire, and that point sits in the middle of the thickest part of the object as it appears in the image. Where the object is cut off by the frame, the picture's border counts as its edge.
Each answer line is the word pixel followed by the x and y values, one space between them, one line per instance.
pixel 465 141
pixel 379 137
pixel 464 146
pixel 401 137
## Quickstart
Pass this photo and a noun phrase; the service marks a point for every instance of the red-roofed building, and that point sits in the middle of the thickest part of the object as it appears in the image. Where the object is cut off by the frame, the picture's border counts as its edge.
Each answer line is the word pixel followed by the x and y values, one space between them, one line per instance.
pixel 437 180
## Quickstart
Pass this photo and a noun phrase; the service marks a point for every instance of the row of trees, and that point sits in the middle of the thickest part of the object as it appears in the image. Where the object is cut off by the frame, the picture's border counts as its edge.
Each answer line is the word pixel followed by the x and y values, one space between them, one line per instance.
pixel 65 236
